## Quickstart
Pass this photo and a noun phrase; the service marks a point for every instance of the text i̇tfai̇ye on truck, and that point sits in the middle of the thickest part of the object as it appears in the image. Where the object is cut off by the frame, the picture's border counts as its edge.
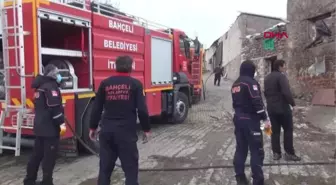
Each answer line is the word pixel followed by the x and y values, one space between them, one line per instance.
pixel 83 39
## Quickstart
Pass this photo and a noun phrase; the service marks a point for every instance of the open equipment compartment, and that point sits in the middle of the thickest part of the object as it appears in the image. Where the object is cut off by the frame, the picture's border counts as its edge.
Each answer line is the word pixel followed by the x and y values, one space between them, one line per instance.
pixel 65 41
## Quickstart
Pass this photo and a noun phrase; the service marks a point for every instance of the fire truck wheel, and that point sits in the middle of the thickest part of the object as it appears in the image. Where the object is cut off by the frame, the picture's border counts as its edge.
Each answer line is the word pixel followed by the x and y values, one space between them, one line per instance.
pixel 181 108
pixel 86 129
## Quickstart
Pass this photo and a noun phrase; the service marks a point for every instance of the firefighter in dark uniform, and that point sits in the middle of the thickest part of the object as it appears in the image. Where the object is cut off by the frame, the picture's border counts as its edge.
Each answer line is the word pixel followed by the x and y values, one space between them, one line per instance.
pixel 218 74
pixel 249 111
pixel 122 98
pixel 49 116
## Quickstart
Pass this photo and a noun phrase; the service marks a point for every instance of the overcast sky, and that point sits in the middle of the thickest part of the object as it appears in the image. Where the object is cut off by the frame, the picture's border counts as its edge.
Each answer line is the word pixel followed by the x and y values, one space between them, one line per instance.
pixel 209 19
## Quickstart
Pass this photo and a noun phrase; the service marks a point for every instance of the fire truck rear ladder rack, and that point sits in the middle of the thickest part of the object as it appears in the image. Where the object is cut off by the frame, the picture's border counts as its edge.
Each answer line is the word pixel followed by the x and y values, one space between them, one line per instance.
pixel 17 34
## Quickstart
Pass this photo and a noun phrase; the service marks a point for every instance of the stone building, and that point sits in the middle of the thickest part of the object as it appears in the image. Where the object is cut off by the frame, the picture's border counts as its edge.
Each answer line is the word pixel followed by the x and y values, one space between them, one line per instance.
pixel 229 46
pixel 311 48
pixel 253 49
pixel 245 24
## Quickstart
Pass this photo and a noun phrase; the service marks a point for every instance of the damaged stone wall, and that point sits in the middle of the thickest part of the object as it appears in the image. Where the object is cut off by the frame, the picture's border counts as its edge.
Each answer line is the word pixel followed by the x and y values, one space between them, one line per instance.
pixel 311 46
pixel 246 23
pixel 253 47
pixel 263 67
pixel 253 50
pixel 232 68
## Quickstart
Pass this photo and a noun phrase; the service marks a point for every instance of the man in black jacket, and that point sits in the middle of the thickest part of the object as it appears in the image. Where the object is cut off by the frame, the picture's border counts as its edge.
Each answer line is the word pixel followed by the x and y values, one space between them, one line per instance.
pixel 49 116
pixel 218 74
pixel 249 111
pixel 279 106
pixel 121 97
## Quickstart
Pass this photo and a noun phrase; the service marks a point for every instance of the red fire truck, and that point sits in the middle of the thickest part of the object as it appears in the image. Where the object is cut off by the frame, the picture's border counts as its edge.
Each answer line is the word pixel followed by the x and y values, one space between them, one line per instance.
pixel 83 39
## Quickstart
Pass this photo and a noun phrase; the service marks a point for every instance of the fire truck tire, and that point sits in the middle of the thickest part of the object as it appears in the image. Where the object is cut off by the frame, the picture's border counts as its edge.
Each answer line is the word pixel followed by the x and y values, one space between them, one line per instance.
pixel 86 129
pixel 181 108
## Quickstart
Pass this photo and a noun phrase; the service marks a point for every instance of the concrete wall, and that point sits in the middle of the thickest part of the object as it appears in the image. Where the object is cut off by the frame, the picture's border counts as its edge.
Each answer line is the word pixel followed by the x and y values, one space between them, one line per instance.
pixel 208 55
pixel 231 43
pixel 314 68
pixel 219 55
pixel 232 68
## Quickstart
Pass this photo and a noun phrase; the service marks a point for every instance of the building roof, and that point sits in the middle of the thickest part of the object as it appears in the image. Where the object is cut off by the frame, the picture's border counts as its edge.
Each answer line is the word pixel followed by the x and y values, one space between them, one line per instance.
pixel 281 25
pixel 260 15
pixel 283 21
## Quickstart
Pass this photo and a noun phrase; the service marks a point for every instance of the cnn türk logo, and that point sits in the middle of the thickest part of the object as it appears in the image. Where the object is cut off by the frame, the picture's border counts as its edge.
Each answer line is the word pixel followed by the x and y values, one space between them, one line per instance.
pixel 278 35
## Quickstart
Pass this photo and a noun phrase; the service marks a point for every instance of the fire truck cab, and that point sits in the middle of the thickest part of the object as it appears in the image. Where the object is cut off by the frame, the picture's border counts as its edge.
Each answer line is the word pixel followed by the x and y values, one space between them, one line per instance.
pixel 83 39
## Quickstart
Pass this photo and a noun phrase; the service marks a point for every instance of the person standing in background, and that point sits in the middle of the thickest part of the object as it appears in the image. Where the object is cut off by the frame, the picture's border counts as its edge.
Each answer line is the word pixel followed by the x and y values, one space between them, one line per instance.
pixel 218 74
pixel 279 107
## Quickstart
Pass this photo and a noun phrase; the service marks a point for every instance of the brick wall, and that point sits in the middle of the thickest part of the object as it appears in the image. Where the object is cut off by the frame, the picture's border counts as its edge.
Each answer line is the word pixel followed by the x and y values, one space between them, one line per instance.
pixel 232 68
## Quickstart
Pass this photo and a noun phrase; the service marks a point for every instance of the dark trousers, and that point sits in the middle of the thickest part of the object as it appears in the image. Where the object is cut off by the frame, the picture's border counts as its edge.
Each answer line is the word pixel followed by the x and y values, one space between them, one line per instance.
pixel 249 136
pixel 45 149
pixel 284 120
pixel 113 147
pixel 217 80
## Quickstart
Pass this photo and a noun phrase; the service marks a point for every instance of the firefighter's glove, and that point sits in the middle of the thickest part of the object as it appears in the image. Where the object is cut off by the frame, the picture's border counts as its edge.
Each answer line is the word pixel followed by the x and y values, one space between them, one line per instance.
pixel 146 137
pixel 63 129
pixel 267 127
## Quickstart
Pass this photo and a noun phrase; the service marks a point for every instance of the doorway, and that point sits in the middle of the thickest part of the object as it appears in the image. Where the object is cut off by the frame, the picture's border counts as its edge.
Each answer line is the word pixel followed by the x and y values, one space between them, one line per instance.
pixel 270 61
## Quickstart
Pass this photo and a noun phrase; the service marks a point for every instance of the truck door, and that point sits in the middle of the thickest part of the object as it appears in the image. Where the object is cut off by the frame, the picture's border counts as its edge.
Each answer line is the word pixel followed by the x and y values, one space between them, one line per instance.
pixel 184 55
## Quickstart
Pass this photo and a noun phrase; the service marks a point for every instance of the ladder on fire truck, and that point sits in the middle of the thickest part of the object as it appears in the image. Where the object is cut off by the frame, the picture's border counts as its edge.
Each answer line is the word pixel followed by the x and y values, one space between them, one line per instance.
pixel 13 30
pixel 196 73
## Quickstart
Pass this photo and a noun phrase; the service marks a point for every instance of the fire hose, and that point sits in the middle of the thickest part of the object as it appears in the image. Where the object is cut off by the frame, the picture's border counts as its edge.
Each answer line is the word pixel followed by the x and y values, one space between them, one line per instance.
pixel 205 167
pixel 204 84
pixel 92 151
pixel 197 167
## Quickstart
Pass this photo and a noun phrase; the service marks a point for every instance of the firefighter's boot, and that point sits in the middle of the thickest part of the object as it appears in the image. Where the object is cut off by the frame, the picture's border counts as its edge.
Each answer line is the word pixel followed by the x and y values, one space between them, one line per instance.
pixel 30 183
pixel 242 180
pixel 27 181
pixel 292 157
pixel 45 182
pixel 276 156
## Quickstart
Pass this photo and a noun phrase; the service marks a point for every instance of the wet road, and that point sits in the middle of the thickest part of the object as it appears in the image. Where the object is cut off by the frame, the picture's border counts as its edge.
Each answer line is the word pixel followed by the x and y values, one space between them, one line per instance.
pixel 206 138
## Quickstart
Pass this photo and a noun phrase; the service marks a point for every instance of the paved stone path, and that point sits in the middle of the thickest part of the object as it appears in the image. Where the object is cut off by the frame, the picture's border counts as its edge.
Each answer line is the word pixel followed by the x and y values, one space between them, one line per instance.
pixel 206 138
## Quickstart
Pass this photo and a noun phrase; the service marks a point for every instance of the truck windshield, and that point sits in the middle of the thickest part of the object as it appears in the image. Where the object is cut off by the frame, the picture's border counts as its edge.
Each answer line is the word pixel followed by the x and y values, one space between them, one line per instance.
pixel 195 44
